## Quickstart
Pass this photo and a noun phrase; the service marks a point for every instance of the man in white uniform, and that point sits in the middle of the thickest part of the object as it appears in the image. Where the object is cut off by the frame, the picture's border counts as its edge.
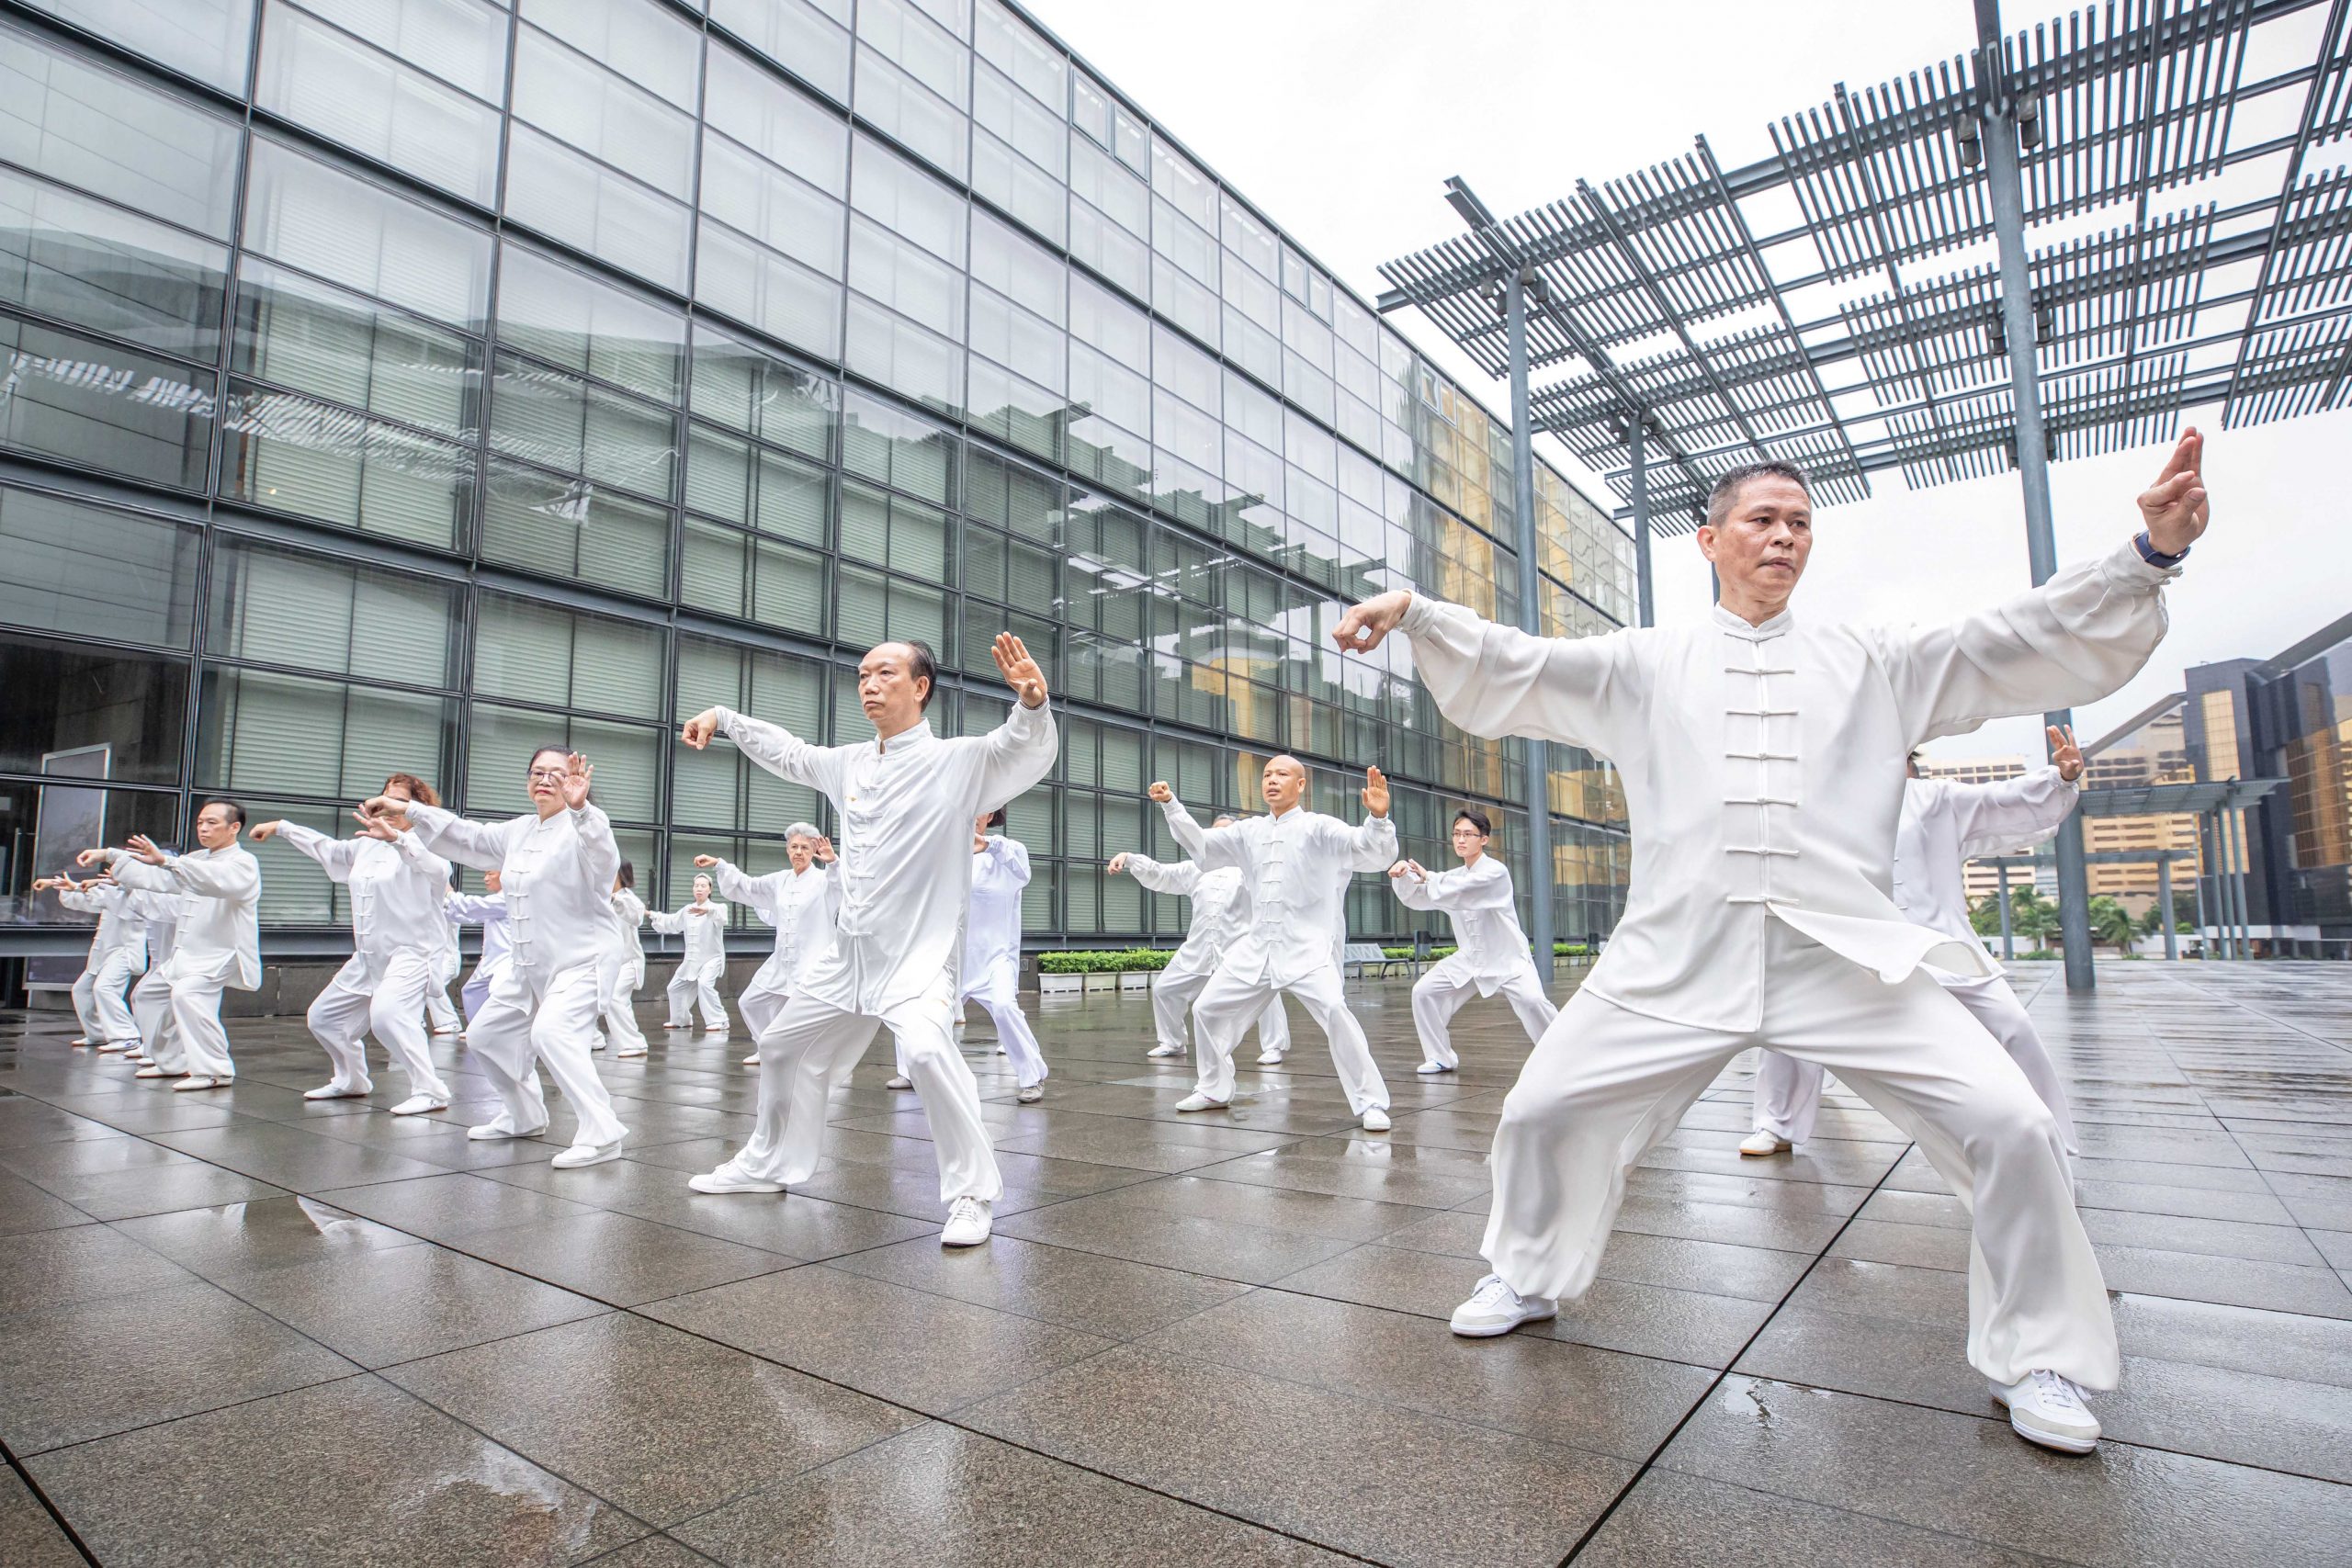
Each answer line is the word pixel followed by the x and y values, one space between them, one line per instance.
pixel 704 925
pixel 398 931
pixel 800 902
pixel 151 999
pixel 219 942
pixel 1944 825
pixel 1220 914
pixel 488 910
pixel 118 958
pixel 907 801
pixel 1757 753
pixel 624 969
pixel 991 968
pixel 1491 952
pixel 1297 864
pixel 556 868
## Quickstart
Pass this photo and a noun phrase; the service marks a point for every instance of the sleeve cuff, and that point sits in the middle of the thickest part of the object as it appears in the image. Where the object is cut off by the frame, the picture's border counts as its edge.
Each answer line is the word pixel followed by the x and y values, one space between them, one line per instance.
pixel 727 717
pixel 2146 546
pixel 2125 567
pixel 1419 614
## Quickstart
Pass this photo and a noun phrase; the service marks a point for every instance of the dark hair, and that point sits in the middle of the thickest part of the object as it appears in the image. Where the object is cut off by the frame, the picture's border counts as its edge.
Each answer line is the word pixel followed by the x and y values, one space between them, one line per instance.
pixel 628 874
pixel 1477 818
pixel 1727 492
pixel 418 790
pixel 236 812
pixel 926 666
pixel 541 752
pixel 996 818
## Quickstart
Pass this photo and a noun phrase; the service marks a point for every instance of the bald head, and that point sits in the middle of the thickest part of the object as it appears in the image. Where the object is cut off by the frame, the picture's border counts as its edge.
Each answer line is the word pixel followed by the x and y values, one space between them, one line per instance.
pixel 1284 783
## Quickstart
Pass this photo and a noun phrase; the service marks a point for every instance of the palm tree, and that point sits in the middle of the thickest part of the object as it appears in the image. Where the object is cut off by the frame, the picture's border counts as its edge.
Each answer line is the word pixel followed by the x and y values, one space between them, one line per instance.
pixel 2111 922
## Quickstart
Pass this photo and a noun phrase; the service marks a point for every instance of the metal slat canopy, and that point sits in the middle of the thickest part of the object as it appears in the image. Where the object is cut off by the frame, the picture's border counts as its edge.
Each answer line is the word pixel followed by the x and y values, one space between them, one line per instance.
pixel 2183 252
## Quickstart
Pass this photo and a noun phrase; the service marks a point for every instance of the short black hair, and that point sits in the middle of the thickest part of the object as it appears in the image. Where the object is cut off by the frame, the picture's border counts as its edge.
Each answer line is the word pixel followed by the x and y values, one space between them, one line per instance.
pixel 628 874
pixel 540 751
pixel 1727 489
pixel 996 818
pixel 236 812
pixel 926 664
pixel 1477 818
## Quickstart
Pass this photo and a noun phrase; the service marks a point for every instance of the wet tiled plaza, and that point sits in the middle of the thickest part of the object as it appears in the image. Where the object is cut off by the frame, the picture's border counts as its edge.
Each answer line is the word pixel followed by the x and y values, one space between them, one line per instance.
pixel 241 1327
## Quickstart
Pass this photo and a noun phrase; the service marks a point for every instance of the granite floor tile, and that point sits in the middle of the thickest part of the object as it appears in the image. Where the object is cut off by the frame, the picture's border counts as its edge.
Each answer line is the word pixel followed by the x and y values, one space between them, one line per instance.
pixel 443 1208
pixel 294 1157
pixel 1117 1228
pixel 1670 1520
pixel 617 1257
pixel 25 1207
pixel 654 1551
pixel 352 1474
pixel 1367 1168
pixel 1206 1196
pixel 29 1535
pixel 658 1422
pixel 924 1351
pixel 2236 1281
pixel 949 1498
pixel 127 1194
pixel 45 1163
pixel 56 1268
pixel 274 1233
pixel 1108 1296
pixel 382 1306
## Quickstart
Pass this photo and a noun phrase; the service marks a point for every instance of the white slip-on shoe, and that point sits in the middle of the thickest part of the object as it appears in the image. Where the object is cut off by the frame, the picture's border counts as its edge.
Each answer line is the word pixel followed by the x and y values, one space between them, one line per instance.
pixel 730 1177
pixel 112 1045
pixel 677 1026
pixel 1425 1068
pixel 418 1104
pixel 490 1131
pixel 967 1223
pixel 1761 1142
pixel 628 1051
pixel 1270 1058
pixel 752 1060
pixel 1031 1093
pixel 199 1081
pixel 1199 1101
pixel 579 1154
pixel 1165 1051
pixel 77 1042
pixel 152 1071
pixel 1373 1120
pixel 338 1091
pixel 899 1081
pixel 2047 1410
pixel 1495 1308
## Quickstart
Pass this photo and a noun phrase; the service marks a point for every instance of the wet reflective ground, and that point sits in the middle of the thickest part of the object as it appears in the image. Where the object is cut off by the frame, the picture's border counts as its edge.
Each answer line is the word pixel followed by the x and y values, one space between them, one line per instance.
pixel 240 1327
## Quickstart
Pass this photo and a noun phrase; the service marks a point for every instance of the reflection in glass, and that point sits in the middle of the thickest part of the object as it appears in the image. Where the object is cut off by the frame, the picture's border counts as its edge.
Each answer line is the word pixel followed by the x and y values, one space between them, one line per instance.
pixel 66 396
pixel 536 653
pixel 574 98
pixel 271 606
pixel 564 195
pixel 731 573
pixel 349 93
pixel 575 529
pixel 361 235
pixel 765 289
pixel 65 255
pixel 63 697
pixel 762 396
pixel 291 453
pixel 317 338
pixel 258 731
pixel 811 41
pixel 585 324
pixel 92 571
pixel 208 39
pixel 560 422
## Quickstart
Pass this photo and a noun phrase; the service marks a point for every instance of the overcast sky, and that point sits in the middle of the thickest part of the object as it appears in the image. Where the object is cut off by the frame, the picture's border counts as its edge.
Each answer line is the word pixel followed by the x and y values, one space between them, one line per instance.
pixel 1342 119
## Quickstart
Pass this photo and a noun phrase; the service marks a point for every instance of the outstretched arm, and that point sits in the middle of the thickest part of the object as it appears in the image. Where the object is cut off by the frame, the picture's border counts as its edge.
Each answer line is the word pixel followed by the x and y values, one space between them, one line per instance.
pixel 481 845
pixel 1020 751
pixel 2017 812
pixel 772 746
pixel 1209 847
pixel 335 856
pixel 1014 855
pixel 1179 879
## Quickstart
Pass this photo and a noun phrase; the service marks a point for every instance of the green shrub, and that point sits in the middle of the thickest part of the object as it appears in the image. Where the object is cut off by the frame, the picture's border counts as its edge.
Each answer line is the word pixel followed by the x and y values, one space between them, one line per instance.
pixel 1120 960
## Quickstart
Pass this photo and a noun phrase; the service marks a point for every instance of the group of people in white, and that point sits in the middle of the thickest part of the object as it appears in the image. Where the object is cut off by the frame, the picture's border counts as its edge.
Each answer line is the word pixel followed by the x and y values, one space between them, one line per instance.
pixel 1789 892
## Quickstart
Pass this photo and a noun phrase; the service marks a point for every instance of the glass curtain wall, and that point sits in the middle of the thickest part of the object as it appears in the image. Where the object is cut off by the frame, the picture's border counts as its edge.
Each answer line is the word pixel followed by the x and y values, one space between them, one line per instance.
pixel 406 385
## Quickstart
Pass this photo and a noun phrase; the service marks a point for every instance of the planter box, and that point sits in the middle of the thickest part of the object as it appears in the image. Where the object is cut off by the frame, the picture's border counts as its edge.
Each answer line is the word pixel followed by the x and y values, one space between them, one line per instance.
pixel 1060 984
pixel 1135 980
pixel 1105 981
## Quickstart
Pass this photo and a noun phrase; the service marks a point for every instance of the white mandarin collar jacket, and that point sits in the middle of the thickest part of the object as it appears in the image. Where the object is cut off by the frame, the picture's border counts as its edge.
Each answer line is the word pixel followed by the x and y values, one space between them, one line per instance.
pixel 555 880
pixel 487 910
pixel 1945 824
pixel 122 919
pixel 1763 765
pixel 1489 946
pixel 396 888
pixel 905 850
pixel 706 934
pixel 1296 869
pixel 629 915
pixel 801 905
pixel 992 925
pixel 219 934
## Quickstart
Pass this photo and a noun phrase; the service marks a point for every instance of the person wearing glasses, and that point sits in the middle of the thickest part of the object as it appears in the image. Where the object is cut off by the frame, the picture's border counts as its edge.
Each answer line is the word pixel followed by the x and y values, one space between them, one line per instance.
pixel 1490 952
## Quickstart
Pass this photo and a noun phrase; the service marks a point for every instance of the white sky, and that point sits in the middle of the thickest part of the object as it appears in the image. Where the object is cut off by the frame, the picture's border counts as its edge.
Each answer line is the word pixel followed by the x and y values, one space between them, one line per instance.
pixel 1342 119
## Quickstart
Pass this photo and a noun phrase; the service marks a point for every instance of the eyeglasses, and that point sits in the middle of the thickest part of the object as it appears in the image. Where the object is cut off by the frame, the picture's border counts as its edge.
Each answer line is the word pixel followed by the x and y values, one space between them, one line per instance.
pixel 552 775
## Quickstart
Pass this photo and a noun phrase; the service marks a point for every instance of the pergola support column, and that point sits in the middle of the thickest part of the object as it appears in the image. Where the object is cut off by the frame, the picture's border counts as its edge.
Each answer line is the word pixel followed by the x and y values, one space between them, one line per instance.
pixel 1531 620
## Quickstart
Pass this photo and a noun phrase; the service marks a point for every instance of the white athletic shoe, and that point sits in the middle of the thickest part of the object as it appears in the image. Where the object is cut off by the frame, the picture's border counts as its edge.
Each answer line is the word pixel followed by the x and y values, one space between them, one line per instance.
pixel 899 1081
pixel 752 1060
pixel 1495 1308
pixel 418 1104
pixel 199 1081
pixel 730 1177
pixel 116 1045
pixel 2047 1410
pixel 488 1132
pixel 152 1071
pixel 444 1029
pixel 1199 1101
pixel 677 1026
pixel 579 1154
pixel 139 1058
pixel 1373 1120
pixel 1270 1058
pixel 1425 1068
pixel 1031 1093
pixel 628 1051
pixel 1761 1142
pixel 967 1223
pixel 339 1090
pixel 77 1041
pixel 1165 1051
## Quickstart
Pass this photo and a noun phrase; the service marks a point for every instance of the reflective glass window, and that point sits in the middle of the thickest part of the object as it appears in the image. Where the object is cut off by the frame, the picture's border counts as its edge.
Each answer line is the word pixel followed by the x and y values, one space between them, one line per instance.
pixel 925 51
pixel 560 422
pixel 785 214
pixel 65 255
pixel 316 612
pixel 90 402
pixel 908 279
pixel 1031 194
pixel 933 126
pixel 753 579
pixel 64 697
pixel 768 290
pixel 899 449
pixel 576 530
pixel 261 732
pixel 314 337
pixel 1010 44
pixel 756 487
pixel 812 42
pixel 1023 123
pixel 1100 318
pixel 762 396
pixel 912 360
pixel 601 113
pixel 904 199
pixel 329 464
pixel 644 41
pixel 565 195
pixel 777 122
pixel 323 220
pixel 535 652
pixel 499 740
pixel 873 607
pixel 86 571
pixel 1017 266
pixel 347 91
pixel 461 41
pixel 208 39
pixel 586 324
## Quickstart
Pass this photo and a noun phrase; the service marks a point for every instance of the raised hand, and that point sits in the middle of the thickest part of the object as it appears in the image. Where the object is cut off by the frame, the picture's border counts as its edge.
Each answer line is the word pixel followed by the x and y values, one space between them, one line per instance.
pixel 825 850
pixel 697 731
pixel 1118 863
pixel 1161 792
pixel 143 847
pixel 2173 510
pixel 1367 625
pixel 262 833
pixel 1406 868
pixel 2065 752
pixel 373 827
pixel 577 775
pixel 89 857
pixel 705 861
pixel 1020 670
pixel 384 808
pixel 1376 792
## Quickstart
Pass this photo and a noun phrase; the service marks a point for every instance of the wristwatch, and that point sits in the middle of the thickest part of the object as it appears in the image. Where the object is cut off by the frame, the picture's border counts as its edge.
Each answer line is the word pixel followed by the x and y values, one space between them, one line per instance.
pixel 2152 556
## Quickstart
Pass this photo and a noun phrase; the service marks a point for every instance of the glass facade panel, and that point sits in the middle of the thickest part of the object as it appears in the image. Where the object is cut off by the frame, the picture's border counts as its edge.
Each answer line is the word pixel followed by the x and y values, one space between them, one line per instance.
pixel 65 255
pixel 208 40
pixel 299 211
pixel 94 571
pixel 351 92
pixel 64 697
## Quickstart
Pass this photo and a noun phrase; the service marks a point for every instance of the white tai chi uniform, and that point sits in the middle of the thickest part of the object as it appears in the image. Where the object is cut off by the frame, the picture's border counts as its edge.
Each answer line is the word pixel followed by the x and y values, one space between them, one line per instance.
pixel 705 964
pixel 907 808
pixel 991 971
pixel 556 877
pixel 1296 867
pixel 216 948
pixel 151 999
pixel 398 932
pixel 1490 953
pixel 1944 825
pixel 802 906
pixel 447 961
pixel 487 910
pixel 624 973
pixel 1220 914
pixel 118 958
pixel 1761 773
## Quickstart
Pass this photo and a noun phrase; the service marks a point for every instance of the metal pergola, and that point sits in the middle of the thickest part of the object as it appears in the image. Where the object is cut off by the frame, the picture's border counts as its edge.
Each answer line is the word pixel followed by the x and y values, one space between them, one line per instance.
pixel 2046 248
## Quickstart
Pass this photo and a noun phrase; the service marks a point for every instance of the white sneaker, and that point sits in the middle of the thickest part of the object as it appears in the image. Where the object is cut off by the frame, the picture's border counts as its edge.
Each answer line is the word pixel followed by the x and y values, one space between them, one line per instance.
pixel 418 1104
pixel 1031 1094
pixel 967 1223
pixel 77 1042
pixel 579 1154
pixel 1495 1308
pixel 1165 1051
pixel 1270 1058
pixel 444 1029
pixel 152 1071
pixel 199 1081
pixel 677 1026
pixel 628 1051
pixel 900 1081
pixel 489 1131
pixel 1373 1120
pixel 116 1045
pixel 599 1044
pixel 1199 1101
pixel 1427 1067
pixel 1761 1142
pixel 338 1091
pixel 2047 1410
pixel 1001 1051
pixel 730 1177
pixel 752 1060
pixel 139 1058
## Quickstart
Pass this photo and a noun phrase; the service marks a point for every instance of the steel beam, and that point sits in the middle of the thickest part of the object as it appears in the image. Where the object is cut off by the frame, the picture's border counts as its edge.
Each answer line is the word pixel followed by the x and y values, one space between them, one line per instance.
pixel 2164 900
pixel 1637 444
pixel 2008 937
pixel 1531 620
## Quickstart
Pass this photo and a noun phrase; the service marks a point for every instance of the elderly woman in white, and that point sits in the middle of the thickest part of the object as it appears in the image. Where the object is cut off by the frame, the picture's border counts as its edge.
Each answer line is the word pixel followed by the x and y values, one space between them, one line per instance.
pixel 1760 756
pixel 991 967
pixel 118 958
pixel 1490 952
pixel 556 867
pixel 801 902
pixel 625 970
pixel 703 923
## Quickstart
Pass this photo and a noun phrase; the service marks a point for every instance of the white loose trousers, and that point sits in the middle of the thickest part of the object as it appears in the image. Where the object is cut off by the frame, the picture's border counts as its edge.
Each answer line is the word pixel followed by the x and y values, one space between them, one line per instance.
pixel 624 973
pixel 1232 1001
pixel 101 994
pixel 1175 992
pixel 692 986
pixel 1606 1084
pixel 384 993
pixel 201 1043
pixel 999 993
pixel 1439 995
pixel 151 1011
pixel 533 1017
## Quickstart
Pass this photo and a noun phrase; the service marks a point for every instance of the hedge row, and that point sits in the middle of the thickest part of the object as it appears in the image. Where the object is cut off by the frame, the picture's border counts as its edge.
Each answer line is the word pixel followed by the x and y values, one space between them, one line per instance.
pixel 1129 960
